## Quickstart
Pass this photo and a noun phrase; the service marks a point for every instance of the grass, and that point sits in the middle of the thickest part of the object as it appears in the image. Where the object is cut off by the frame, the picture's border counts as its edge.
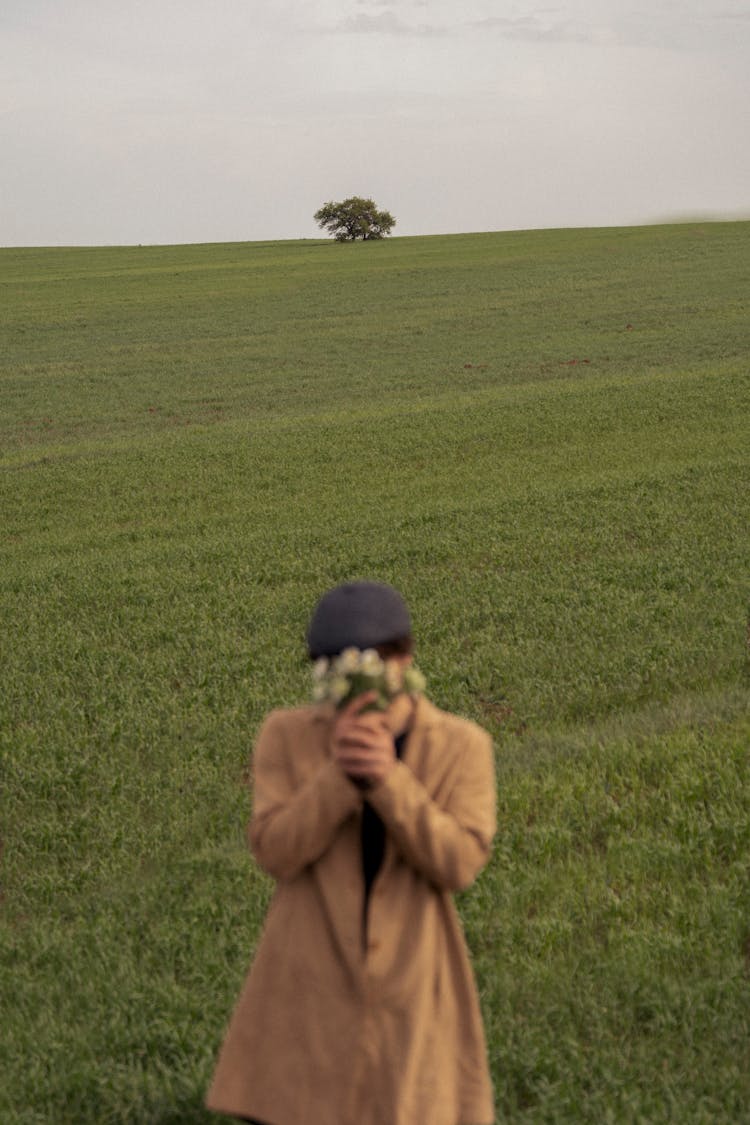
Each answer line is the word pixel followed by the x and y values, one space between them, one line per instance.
pixel 541 438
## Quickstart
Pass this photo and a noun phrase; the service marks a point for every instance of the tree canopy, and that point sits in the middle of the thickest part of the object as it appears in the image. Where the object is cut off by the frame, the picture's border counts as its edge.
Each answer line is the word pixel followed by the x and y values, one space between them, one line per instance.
pixel 353 219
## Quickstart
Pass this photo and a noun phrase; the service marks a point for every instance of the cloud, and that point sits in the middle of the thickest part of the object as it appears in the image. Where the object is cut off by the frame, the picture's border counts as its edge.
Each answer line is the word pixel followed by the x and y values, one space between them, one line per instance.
pixel 389 3
pixel 672 25
pixel 385 23
pixel 533 29
pixel 683 27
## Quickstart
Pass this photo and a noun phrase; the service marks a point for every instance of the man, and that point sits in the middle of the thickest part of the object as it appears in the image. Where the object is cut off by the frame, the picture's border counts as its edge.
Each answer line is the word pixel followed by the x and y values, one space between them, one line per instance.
pixel 360 1007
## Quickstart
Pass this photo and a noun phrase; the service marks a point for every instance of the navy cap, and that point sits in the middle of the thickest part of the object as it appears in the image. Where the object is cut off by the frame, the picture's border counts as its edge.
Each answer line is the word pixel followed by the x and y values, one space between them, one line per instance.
pixel 357 615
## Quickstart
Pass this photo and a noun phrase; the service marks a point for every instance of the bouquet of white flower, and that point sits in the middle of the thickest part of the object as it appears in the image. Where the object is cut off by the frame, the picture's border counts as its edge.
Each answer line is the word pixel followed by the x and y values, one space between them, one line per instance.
pixel 339 679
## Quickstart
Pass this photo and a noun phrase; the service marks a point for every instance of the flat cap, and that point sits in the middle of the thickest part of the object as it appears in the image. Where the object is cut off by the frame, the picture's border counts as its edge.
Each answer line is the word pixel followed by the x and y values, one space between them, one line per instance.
pixel 357 615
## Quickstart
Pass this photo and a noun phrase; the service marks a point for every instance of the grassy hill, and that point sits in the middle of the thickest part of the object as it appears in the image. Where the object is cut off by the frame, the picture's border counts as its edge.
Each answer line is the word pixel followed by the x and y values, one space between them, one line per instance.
pixel 542 439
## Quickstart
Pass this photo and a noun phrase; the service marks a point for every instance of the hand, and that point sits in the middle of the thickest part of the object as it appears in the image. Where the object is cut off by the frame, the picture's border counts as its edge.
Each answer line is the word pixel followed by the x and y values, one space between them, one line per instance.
pixel 363 742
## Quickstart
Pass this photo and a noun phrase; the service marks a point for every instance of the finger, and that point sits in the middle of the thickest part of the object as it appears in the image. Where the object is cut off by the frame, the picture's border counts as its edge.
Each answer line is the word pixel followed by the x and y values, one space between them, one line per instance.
pixel 355 706
pixel 358 759
pixel 372 720
pixel 365 737
pixel 359 764
pixel 361 749
pixel 367 727
pixel 355 769
pixel 356 756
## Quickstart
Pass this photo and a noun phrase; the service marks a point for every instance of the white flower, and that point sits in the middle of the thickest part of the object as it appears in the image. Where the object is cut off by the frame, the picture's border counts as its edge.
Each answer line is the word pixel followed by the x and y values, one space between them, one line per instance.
pixel 347 661
pixel 370 663
pixel 393 677
pixel 353 672
pixel 414 681
pixel 338 688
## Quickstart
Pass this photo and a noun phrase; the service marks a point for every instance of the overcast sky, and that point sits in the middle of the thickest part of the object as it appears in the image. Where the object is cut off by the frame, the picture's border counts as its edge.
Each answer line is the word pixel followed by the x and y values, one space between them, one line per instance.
pixel 142 121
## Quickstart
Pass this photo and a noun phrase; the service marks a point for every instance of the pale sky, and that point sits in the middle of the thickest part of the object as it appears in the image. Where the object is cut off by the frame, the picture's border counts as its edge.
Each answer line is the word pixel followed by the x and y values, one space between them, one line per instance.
pixel 160 121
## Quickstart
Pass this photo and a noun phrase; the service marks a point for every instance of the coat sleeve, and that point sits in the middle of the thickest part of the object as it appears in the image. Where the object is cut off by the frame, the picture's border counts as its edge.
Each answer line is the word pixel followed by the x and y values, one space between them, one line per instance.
pixel 293 823
pixel 448 844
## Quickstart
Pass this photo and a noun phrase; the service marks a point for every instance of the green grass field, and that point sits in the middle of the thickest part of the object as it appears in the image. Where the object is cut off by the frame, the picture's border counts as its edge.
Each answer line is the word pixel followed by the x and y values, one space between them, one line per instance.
pixel 541 438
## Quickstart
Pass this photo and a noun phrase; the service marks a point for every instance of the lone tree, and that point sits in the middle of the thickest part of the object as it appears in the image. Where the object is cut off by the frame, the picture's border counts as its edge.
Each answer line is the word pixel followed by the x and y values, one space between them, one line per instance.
pixel 354 218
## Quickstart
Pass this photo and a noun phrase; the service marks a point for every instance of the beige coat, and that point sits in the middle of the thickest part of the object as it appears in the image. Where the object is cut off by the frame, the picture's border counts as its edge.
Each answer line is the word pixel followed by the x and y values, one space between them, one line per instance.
pixel 336 1026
